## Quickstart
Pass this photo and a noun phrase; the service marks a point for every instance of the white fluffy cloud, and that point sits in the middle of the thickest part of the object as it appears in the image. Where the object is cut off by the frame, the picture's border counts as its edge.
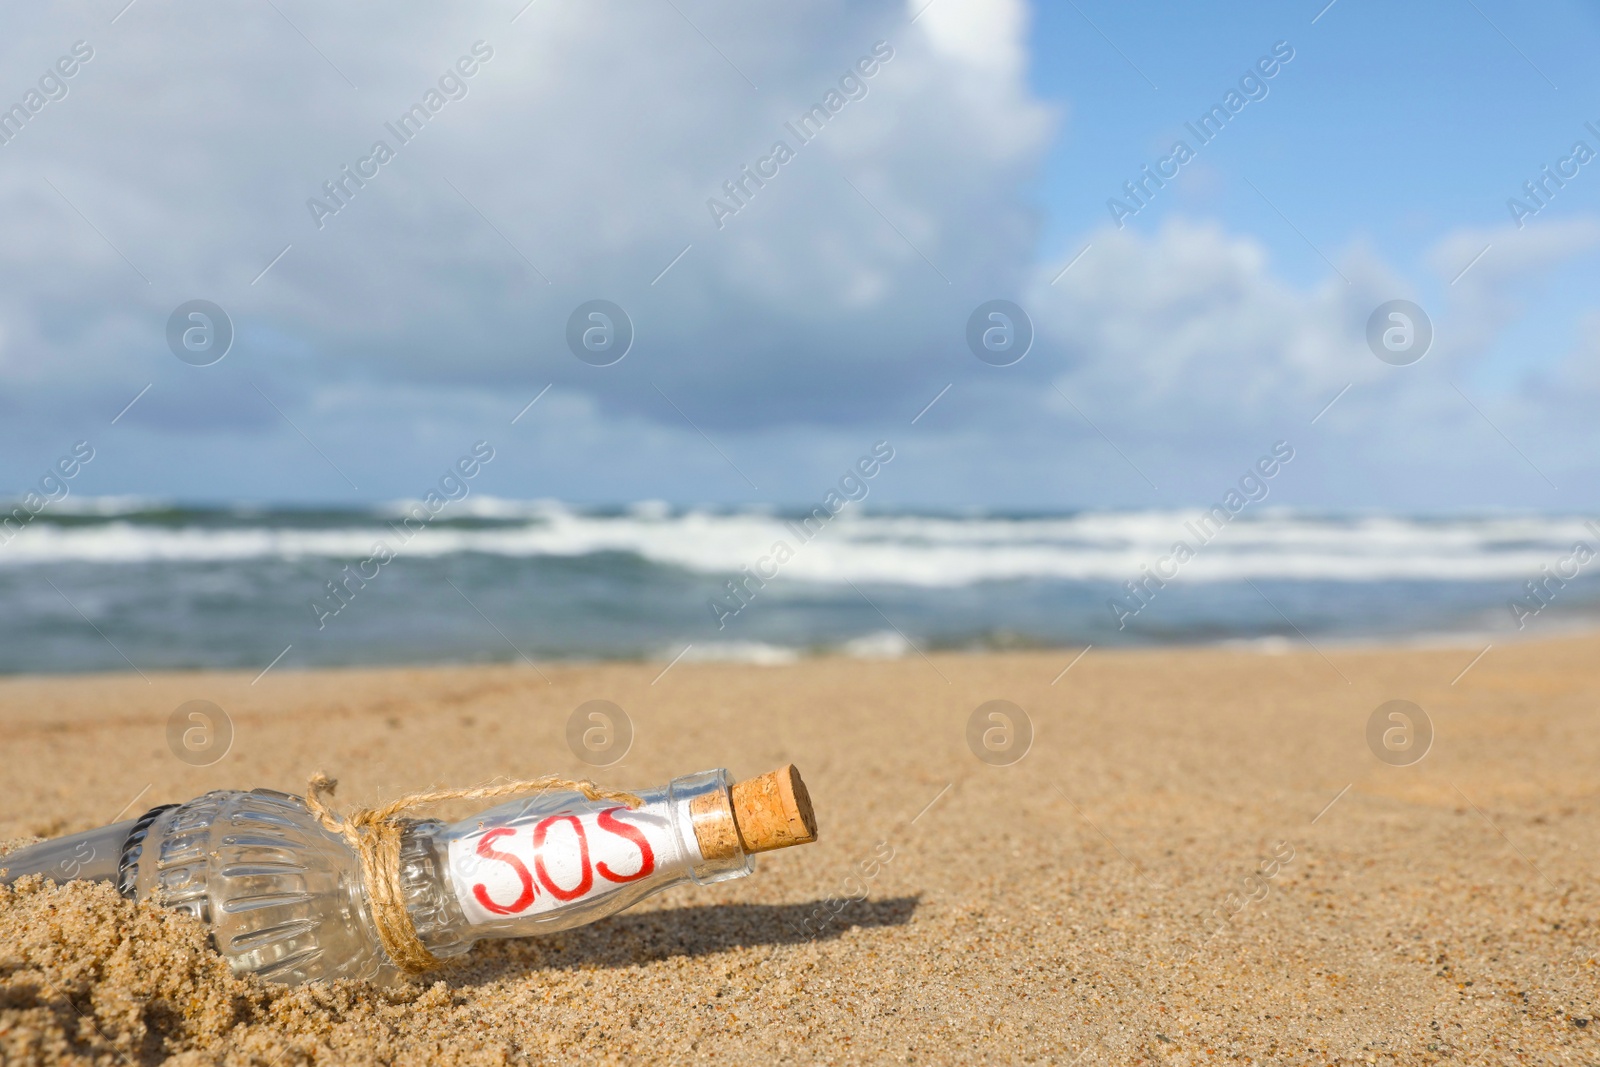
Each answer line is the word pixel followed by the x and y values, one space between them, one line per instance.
pixel 1193 318
pixel 578 163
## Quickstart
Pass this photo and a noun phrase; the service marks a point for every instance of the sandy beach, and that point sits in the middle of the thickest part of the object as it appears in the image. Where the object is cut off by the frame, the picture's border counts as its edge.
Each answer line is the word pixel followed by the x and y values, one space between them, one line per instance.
pixel 1199 860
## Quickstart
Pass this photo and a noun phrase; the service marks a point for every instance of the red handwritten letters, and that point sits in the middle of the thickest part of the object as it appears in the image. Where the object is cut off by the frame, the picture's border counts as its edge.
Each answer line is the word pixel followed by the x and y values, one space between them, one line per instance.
pixel 540 865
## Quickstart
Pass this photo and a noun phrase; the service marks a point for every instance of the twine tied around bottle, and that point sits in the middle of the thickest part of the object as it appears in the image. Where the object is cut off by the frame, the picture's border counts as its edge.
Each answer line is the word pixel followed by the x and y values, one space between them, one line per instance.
pixel 376 833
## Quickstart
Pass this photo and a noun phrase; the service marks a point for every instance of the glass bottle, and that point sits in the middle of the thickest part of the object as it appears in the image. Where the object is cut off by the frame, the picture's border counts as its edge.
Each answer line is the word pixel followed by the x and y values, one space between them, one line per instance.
pixel 285 898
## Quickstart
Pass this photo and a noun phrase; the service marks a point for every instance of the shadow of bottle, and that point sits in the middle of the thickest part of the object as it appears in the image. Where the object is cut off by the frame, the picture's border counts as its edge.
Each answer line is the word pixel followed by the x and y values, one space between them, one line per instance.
pixel 634 938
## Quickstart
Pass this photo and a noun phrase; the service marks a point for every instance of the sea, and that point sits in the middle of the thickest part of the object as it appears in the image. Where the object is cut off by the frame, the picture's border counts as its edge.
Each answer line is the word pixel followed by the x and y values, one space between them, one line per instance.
pixel 108 584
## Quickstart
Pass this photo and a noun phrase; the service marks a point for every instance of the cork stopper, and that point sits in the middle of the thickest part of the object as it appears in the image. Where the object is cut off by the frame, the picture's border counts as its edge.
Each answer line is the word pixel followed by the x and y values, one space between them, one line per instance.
pixel 758 815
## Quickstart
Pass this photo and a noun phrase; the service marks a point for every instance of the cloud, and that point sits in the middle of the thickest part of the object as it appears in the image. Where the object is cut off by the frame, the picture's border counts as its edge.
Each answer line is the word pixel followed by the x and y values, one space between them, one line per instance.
pixel 985 38
pixel 577 162
pixel 1191 325
pixel 1487 273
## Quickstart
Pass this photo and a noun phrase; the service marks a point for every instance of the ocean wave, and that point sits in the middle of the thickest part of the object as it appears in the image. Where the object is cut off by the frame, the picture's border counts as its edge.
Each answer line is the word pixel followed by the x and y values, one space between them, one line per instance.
pixel 862 547
pixel 95 506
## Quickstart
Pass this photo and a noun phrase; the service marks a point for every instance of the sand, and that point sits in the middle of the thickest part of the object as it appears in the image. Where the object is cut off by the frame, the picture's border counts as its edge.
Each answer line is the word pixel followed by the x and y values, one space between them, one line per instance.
pixel 1092 903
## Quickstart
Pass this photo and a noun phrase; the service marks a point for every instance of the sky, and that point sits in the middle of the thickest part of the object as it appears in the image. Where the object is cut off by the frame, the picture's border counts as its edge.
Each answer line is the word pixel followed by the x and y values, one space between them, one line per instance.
pixel 571 152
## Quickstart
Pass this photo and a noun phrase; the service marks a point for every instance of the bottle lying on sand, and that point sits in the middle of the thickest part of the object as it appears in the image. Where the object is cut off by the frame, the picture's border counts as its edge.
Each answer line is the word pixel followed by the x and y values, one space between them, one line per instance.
pixel 296 893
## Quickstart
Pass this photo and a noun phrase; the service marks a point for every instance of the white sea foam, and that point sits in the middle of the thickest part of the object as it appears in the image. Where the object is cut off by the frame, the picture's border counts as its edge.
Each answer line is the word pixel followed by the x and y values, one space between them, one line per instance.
pixel 912 550
pixel 884 644
pixel 757 652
